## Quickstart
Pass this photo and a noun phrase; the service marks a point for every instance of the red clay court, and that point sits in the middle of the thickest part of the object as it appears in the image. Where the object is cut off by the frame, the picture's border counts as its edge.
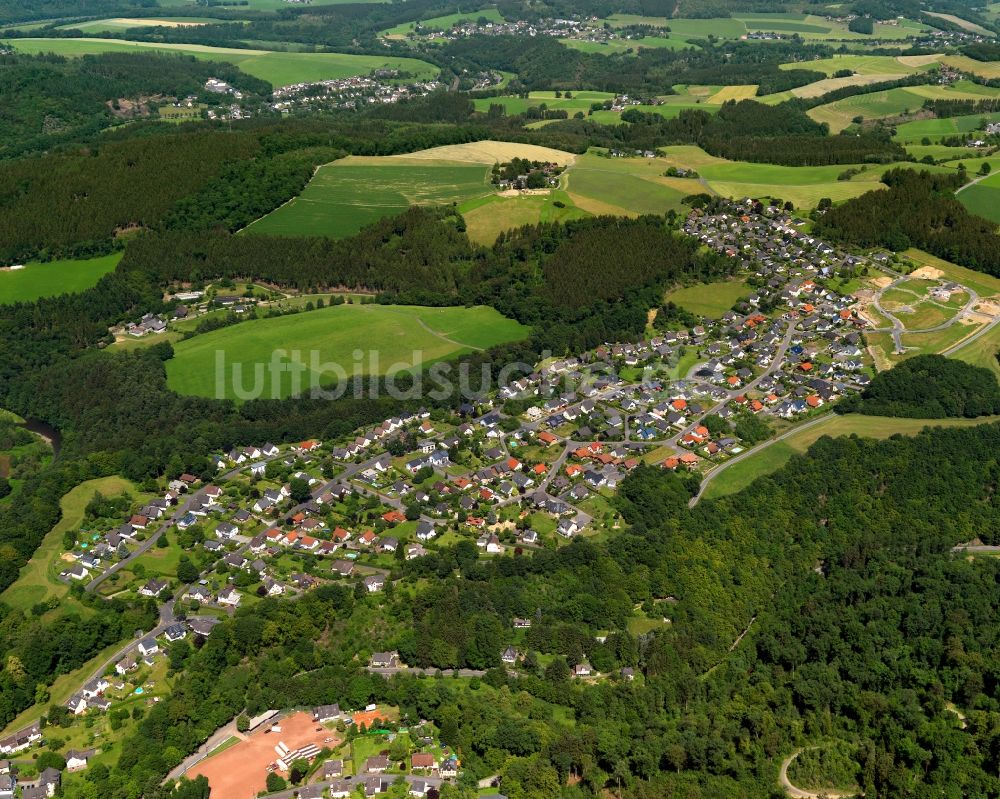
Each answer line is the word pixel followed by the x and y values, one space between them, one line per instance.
pixel 240 772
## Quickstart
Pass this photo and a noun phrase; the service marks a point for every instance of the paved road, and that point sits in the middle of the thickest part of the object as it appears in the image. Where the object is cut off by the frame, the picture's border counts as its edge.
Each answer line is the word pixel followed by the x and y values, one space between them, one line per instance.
pixel 388 672
pixel 752 452
pixel 898 328
pixel 776 364
pixel 981 548
pixel 981 332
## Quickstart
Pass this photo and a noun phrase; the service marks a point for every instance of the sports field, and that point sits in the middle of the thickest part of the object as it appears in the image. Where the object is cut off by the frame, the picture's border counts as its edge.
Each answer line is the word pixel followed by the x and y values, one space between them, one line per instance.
pixel 709 299
pixel 52 278
pixel 240 770
pixel 771 458
pixel 345 196
pixel 278 68
pixel 983 198
pixel 282 356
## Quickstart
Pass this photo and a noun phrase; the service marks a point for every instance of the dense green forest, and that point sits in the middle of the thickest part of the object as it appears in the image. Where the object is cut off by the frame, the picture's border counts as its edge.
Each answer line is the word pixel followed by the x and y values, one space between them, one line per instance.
pixel 866 648
pixel 919 209
pixel 928 387
pixel 52 99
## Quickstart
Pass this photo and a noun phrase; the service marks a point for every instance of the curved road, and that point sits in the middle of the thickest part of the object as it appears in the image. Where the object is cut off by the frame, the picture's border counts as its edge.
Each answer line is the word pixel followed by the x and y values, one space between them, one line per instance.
pixel 898 328
pixel 799 793
pixel 754 451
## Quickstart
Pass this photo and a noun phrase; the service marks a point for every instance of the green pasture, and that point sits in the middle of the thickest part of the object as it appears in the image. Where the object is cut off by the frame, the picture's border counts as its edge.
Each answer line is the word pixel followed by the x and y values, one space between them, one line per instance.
pixel 807 26
pixel 803 186
pixel 39 579
pixel 119 24
pixel 487 217
pixel 443 23
pixel 52 278
pixel 935 129
pixel 268 5
pixel 861 64
pixel 259 356
pixel 894 102
pixel 982 351
pixel 709 299
pixel 278 68
pixel 742 473
pixel 982 198
pixel 347 195
pixel 625 185
pixel 627 45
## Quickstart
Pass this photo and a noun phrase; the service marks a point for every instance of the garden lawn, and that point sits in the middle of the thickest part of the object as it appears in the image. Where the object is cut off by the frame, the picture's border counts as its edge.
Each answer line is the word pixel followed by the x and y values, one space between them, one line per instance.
pixel 53 278
pixel 278 68
pixel 259 356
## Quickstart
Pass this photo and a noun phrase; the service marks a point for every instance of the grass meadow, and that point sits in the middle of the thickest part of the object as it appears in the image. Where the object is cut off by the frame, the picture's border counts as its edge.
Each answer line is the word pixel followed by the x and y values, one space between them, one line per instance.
pixel 278 68
pixel 443 23
pixel 771 458
pixel 39 579
pixel 983 198
pixel 347 195
pixel 52 278
pixel 709 299
pixel 119 24
pixel 336 333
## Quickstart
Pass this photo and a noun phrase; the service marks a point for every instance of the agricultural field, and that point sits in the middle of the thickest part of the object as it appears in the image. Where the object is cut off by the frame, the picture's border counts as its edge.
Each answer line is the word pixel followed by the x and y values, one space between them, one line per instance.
pixel 625 186
pixel 896 66
pixel 709 299
pixel 982 198
pixel 774 456
pixel 119 24
pixel 278 68
pixel 580 101
pixel 936 129
pixel 803 186
pixel 807 26
pixel 972 27
pixel 264 5
pixel 345 196
pixel 52 278
pixel 894 102
pixel 259 355
pixel 487 217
